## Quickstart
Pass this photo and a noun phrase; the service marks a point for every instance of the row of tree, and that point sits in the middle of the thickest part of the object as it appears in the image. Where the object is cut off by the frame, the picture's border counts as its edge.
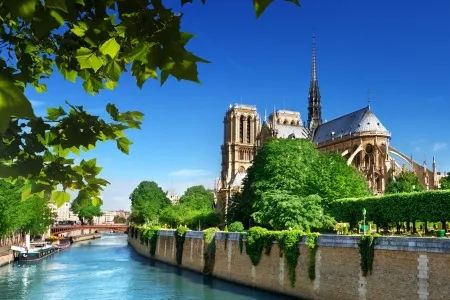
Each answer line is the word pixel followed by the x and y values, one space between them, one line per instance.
pixel 430 206
pixel 32 215
pixel 195 208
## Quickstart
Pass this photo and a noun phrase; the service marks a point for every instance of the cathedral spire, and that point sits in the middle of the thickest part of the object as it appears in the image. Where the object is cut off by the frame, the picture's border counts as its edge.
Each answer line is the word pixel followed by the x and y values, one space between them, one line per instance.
pixel 314 105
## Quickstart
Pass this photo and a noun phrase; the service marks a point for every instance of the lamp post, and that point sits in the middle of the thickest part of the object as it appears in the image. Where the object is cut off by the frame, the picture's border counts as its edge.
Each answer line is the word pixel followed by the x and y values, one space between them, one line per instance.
pixel 364 224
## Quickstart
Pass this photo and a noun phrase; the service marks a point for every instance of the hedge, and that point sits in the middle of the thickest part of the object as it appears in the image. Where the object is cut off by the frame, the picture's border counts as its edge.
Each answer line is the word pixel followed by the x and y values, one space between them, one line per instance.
pixel 430 206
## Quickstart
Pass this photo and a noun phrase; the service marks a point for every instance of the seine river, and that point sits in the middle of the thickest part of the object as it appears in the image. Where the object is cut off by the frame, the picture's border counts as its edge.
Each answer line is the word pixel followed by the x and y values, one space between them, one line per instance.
pixel 107 268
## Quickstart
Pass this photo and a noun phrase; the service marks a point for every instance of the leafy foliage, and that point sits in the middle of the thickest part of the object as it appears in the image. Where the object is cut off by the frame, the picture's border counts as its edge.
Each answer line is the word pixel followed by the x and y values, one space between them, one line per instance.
pixel 32 215
pixel 431 206
pixel 119 220
pixel 240 208
pixel 194 209
pixel 147 202
pixel 198 198
pixel 180 235
pixel 259 238
pixel 366 250
pixel 86 213
pixel 209 236
pixel 445 182
pixel 94 42
pixel 282 210
pixel 405 182
pixel 311 243
pixel 236 227
pixel 284 173
pixel 148 235
pixel 288 241
pixel 38 151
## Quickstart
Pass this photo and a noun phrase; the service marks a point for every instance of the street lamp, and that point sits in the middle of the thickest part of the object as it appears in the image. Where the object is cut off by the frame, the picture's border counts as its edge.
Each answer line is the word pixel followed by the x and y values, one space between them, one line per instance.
pixel 364 224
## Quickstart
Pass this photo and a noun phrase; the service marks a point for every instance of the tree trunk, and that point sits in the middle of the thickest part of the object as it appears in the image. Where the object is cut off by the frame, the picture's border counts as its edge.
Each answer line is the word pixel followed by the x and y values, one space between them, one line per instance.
pixel 414 227
pixel 398 227
pixel 408 226
pixel 426 226
pixel 444 225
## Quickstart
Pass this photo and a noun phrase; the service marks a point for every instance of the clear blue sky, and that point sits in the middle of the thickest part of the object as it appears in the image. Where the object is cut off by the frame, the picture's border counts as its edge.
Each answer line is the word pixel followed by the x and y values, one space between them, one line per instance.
pixel 400 50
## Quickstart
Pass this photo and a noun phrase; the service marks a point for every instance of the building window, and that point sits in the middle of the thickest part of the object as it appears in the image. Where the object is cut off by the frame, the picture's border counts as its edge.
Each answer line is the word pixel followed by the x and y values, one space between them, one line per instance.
pixel 241 130
pixel 241 155
pixel 248 129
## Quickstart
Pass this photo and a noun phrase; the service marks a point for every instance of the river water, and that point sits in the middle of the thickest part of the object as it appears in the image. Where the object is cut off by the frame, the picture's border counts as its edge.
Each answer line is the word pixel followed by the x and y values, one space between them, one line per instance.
pixel 108 268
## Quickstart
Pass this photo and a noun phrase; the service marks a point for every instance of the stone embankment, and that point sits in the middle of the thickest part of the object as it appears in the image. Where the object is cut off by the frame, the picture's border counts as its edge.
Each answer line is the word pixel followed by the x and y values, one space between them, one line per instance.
pixel 403 268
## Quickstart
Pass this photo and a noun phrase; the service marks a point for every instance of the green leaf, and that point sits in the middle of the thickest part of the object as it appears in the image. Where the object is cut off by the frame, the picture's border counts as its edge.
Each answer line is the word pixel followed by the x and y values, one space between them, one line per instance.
pixel 58 4
pixel 96 201
pixel 54 113
pixel 70 75
pixel 260 6
pixel 80 28
pixel 12 103
pixel 41 88
pixel 93 85
pixel 32 188
pixel 137 115
pixel 60 197
pixel 123 144
pixel 57 16
pixel 120 29
pixel 22 8
pixel 113 70
pixel 110 47
pixel 112 110
pixel 88 60
pixel 185 37
pixel 140 52
pixel 111 85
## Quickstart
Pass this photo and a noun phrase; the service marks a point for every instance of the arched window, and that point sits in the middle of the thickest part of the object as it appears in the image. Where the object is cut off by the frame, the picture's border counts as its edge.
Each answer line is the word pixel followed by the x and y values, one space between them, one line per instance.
pixel 249 122
pixel 241 155
pixel 292 122
pixel 241 129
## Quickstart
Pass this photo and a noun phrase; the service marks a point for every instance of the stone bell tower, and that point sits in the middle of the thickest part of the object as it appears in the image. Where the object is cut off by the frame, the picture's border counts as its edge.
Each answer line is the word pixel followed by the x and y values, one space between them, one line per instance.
pixel 241 128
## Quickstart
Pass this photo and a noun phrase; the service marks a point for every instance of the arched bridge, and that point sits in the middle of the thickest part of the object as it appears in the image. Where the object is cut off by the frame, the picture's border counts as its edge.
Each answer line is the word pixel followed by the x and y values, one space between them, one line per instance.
pixel 87 229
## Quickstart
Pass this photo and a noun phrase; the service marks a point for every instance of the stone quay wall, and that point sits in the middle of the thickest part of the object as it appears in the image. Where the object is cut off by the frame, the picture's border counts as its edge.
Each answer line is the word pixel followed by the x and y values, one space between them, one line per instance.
pixel 403 268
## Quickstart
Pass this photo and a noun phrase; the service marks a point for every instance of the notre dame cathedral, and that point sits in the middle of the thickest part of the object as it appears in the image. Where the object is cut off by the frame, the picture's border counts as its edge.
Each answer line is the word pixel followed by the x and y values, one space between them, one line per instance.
pixel 359 136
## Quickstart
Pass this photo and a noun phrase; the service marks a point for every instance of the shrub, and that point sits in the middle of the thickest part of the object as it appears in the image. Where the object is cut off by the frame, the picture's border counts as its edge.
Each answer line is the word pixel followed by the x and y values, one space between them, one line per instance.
pixel 236 227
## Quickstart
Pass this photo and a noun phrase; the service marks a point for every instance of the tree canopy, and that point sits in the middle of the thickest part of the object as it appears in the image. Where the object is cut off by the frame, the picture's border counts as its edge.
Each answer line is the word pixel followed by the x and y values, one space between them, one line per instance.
pixel 147 202
pixel 445 182
pixel 294 169
pixel 93 42
pixel 405 182
pixel 195 209
pixel 197 197
pixel 86 213
pixel 32 215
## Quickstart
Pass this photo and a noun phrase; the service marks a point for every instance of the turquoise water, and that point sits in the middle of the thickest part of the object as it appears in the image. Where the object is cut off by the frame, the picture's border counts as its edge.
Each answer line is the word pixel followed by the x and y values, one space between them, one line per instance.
pixel 108 268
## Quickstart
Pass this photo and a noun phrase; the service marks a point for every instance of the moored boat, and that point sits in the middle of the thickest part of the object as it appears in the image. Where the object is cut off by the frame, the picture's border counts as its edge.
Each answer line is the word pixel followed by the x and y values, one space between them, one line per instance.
pixel 60 242
pixel 36 251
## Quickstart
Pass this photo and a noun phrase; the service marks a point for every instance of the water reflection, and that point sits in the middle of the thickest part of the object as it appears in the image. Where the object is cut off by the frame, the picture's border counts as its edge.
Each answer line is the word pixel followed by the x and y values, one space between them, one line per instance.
pixel 108 269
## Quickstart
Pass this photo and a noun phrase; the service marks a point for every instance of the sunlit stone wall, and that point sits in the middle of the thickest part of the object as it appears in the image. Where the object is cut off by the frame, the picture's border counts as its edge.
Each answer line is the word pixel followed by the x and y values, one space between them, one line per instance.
pixel 403 268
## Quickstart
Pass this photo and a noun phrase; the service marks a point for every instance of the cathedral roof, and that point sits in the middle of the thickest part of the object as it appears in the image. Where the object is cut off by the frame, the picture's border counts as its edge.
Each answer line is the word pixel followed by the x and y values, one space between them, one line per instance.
pixel 291 131
pixel 360 121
